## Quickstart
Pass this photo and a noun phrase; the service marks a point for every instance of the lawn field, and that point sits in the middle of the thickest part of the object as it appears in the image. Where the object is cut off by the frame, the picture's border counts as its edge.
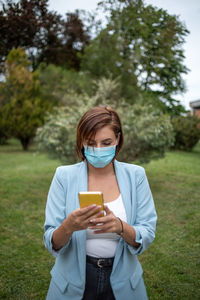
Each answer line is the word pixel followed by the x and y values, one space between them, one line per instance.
pixel 171 265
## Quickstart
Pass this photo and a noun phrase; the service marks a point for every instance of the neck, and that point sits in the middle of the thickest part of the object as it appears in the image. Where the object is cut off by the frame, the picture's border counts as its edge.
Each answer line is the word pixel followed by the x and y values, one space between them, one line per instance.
pixel 107 170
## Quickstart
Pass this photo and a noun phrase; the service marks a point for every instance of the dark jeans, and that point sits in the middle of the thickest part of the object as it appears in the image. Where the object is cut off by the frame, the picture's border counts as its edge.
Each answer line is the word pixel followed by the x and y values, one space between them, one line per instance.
pixel 98 283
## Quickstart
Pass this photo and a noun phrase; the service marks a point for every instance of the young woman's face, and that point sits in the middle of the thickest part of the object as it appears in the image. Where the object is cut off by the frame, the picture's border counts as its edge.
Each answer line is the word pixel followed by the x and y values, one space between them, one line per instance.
pixel 104 137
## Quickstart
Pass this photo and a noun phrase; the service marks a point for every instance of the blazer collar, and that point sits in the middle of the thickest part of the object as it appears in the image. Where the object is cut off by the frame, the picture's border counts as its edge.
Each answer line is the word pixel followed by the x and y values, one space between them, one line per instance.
pixel 124 187
pixel 82 185
pixel 83 177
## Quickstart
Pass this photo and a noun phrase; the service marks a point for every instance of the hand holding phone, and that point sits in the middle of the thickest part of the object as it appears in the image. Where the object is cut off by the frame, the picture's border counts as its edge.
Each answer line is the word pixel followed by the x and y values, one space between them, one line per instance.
pixel 79 219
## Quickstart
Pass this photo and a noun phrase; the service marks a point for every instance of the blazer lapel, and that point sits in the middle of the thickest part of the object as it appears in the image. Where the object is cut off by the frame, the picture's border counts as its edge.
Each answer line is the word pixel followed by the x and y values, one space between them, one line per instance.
pixel 82 178
pixel 82 185
pixel 124 187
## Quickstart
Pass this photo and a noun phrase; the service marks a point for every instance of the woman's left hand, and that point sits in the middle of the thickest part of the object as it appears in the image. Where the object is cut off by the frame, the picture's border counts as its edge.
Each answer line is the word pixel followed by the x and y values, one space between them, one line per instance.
pixel 108 223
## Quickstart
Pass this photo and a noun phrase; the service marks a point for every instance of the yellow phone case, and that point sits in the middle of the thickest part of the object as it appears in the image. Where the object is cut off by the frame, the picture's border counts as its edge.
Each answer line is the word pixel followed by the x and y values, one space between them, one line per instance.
pixel 89 198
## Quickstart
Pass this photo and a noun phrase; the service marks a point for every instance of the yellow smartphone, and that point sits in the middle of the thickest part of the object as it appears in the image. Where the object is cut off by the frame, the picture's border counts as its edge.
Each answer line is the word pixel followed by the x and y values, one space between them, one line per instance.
pixel 89 198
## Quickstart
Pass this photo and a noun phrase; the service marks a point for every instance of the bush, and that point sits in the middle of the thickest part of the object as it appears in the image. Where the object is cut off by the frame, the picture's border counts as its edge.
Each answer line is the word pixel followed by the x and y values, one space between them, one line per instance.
pixel 58 135
pixel 187 133
pixel 148 133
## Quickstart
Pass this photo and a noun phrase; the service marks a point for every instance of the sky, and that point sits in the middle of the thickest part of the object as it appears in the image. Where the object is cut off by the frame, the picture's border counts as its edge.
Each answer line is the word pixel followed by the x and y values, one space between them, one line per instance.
pixel 188 12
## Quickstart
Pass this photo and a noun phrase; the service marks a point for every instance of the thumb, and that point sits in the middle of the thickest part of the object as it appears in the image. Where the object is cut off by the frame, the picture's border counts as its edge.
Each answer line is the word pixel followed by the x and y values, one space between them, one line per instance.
pixel 107 210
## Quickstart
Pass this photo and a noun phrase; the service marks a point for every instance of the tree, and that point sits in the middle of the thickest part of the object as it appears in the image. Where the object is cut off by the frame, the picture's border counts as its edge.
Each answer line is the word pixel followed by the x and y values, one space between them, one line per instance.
pixel 21 102
pixel 4 128
pixel 62 81
pixel 45 35
pixel 143 45
pixel 65 41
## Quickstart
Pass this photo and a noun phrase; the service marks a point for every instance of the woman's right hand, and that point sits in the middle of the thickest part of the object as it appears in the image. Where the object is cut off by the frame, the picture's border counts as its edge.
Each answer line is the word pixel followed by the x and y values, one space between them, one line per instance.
pixel 77 220
pixel 80 218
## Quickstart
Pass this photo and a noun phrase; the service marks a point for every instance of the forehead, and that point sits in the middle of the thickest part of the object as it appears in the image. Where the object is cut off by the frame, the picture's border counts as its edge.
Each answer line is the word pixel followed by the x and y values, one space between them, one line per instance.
pixel 104 133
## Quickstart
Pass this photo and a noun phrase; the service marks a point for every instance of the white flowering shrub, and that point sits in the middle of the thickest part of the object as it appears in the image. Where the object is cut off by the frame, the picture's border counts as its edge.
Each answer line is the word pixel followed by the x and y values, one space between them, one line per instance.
pixel 58 135
pixel 147 132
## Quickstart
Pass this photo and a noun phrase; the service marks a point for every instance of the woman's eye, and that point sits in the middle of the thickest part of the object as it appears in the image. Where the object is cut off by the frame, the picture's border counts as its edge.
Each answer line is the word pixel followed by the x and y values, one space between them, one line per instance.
pixel 106 144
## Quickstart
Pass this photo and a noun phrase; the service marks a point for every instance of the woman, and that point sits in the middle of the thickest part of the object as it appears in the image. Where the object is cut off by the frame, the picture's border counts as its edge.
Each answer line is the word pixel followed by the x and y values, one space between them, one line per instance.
pixel 96 257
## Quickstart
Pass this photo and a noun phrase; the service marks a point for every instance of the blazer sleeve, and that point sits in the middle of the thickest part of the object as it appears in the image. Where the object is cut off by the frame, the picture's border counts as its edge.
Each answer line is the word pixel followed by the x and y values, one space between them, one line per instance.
pixel 146 217
pixel 55 212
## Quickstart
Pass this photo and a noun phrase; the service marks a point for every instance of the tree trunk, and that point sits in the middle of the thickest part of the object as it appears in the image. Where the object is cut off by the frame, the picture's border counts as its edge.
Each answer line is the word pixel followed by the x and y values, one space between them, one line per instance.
pixel 25 143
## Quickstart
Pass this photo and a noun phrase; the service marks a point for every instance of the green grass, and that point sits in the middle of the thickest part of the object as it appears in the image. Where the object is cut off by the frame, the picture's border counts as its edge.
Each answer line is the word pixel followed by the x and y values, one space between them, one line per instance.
pixel 24 262
pixel 171 264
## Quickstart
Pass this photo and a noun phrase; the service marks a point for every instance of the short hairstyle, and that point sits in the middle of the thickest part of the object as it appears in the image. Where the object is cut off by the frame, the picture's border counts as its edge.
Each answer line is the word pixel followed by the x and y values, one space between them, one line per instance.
pixel 93 120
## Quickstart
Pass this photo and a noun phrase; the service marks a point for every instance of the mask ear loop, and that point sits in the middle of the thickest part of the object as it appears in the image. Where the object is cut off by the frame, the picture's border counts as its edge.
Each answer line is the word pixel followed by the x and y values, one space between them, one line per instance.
pixel 117 143
pixel 117 139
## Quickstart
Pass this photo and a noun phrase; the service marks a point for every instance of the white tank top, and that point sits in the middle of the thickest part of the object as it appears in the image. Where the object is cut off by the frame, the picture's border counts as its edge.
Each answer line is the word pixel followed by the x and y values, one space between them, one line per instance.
pixel 105 244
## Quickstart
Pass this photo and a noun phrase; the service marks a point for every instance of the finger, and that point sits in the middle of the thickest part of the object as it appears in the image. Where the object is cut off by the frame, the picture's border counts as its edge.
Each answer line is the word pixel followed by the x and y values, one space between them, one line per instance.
pixel 94 213
pixel 87 210
pixel 105 219
pixel 102 229
pixel 105 207
pixel 96 216
pixel 107 210
pixel 99 231
pixel 102 226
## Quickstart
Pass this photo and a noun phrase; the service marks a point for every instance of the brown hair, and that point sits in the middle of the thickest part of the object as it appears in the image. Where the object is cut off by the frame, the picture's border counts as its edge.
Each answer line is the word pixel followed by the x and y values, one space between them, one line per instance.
pixel 93 120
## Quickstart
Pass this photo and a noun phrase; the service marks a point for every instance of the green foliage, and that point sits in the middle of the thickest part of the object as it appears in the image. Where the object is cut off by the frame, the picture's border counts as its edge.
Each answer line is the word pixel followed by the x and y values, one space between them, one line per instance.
pixel 148 133
pixel 172 108
pixel 187 132
pixel 143 45
pixel 21 103
pixel 55 82
pixel 58 134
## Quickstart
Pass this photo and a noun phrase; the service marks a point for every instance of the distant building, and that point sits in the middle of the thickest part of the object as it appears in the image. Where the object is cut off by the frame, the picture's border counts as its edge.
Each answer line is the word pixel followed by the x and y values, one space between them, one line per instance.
pixel 195 105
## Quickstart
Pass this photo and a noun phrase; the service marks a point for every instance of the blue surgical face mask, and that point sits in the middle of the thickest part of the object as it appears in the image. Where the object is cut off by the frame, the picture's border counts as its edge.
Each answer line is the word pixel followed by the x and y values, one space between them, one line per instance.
pixel 99 157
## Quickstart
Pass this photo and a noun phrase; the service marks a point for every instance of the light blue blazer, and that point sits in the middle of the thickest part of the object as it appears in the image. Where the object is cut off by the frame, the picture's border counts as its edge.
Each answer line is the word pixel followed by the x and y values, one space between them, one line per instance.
pixel 68 272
